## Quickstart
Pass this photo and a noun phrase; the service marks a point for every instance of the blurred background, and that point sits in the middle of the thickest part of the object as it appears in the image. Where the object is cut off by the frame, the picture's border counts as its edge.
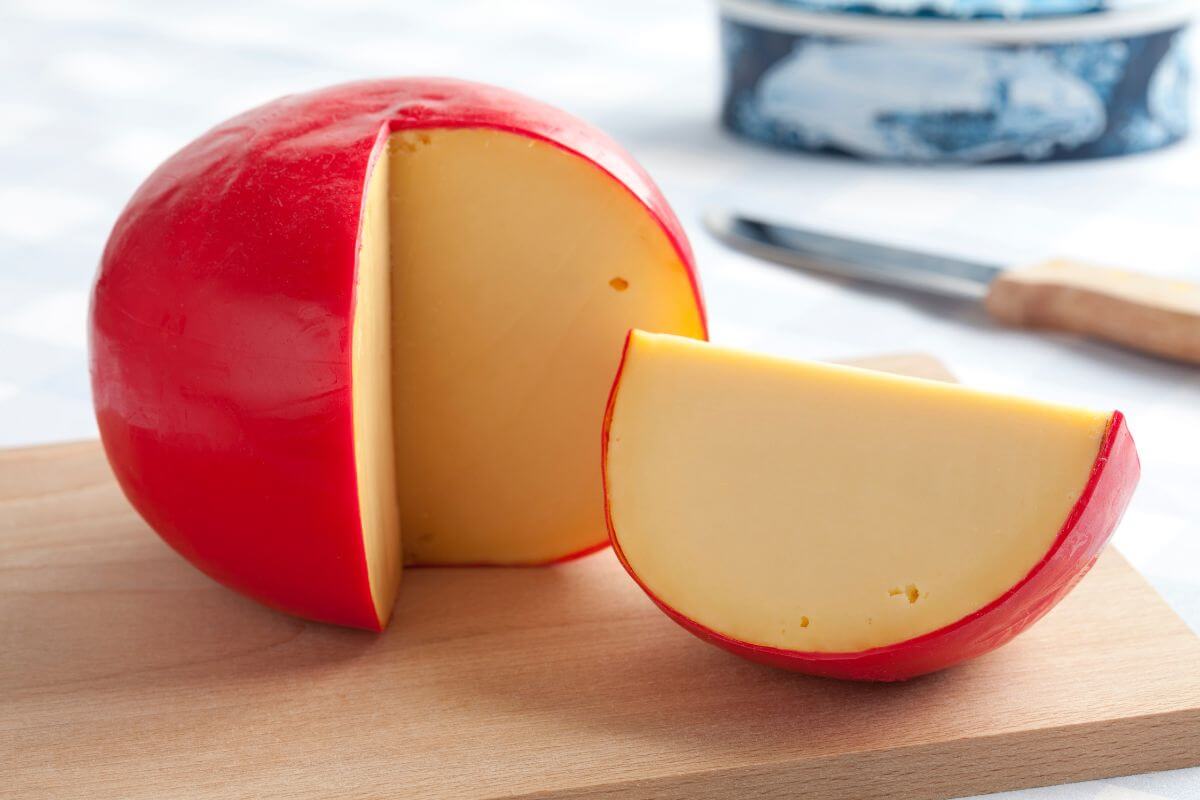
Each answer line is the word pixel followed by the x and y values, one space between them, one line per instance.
pixel 94 95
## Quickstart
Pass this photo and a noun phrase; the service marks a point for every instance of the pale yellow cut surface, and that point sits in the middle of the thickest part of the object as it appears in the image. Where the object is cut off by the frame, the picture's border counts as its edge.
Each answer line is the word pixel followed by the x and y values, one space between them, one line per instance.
pixel 371 392
pixel 498 276
pixel 517 270
pixel 824 508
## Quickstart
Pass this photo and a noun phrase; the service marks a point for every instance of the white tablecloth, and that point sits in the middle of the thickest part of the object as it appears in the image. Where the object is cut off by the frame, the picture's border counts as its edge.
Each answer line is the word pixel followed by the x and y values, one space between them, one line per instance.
pixel 93 95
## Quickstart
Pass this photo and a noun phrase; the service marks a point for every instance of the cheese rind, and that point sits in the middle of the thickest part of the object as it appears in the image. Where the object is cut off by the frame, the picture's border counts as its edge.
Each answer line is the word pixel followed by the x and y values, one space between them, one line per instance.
pixel 827 509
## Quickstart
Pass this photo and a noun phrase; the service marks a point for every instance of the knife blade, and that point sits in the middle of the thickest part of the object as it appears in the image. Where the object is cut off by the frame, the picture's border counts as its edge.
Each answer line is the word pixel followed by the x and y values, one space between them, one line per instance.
pixel 850 258
pixel 1151 314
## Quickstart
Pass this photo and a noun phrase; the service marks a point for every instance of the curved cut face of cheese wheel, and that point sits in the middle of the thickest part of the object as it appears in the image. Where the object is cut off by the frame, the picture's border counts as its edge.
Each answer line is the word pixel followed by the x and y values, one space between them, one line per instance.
pixel 825 509
pixel 371 398
pixel 515 269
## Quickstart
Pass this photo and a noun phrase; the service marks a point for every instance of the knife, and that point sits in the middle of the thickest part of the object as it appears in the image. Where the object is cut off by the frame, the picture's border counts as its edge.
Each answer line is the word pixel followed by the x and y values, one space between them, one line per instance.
pixel 1142 312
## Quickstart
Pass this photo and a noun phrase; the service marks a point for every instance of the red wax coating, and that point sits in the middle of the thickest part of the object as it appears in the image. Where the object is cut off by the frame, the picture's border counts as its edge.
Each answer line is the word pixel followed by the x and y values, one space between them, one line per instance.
pixel 220 329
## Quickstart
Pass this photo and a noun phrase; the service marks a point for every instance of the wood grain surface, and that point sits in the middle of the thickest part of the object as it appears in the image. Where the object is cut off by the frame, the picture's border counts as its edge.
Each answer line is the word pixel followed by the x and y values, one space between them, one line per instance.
pixel 125 673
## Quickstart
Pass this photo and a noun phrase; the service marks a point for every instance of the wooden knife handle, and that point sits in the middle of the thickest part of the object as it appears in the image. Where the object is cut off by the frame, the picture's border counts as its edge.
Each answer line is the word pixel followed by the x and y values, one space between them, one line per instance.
pixel 1154 315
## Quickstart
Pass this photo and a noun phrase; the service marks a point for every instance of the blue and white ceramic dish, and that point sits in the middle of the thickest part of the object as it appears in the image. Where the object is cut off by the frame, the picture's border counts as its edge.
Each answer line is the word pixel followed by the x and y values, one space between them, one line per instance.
pixel 1106 82
pixel 964 9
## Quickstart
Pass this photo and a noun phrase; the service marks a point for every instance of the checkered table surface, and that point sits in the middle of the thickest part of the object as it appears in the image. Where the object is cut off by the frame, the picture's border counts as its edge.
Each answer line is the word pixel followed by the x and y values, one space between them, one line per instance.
pixel 93 95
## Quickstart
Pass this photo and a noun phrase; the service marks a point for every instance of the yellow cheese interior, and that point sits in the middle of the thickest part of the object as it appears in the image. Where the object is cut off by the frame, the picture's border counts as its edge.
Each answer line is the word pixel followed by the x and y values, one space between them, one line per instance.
pixel 824 508
pixel 371 392
pixel 515 270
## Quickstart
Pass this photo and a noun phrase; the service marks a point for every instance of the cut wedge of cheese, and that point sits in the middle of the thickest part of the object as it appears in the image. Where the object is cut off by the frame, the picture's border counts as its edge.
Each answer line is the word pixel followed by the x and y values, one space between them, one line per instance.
pixel 821 511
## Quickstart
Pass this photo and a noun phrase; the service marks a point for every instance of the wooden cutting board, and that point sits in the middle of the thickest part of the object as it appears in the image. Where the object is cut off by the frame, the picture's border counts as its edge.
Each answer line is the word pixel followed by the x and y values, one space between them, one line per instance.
pixel 125 673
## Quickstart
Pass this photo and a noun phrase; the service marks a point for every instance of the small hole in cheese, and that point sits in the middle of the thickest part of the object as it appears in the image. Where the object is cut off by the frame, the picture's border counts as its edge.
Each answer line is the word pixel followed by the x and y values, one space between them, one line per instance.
pixel 804 622
pixel 620 284
pixel 910 591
